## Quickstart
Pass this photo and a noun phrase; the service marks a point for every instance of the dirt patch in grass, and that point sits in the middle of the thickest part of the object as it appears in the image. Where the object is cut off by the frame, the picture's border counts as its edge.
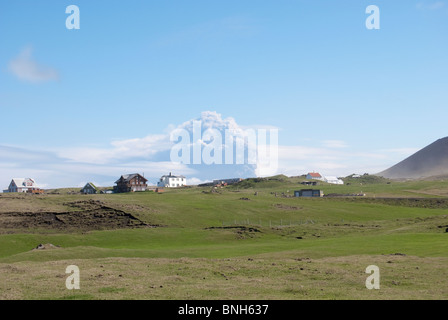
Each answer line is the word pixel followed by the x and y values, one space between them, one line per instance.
pixel 241 232
pixel 286 207
pixel 430 203
pixel 91 215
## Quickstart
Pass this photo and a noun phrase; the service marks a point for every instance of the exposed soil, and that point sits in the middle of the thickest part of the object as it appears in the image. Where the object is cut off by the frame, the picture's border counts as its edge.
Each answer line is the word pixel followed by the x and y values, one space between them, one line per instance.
pixel 430 203
pixel 91 215
pixel 286 207
pixel 241 232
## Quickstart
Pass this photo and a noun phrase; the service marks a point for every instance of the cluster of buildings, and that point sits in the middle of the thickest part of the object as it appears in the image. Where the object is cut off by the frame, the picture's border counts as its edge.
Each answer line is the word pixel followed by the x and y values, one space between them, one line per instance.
pixel 313 193
pixel 126 183
pixel 327 179
pixel 136 182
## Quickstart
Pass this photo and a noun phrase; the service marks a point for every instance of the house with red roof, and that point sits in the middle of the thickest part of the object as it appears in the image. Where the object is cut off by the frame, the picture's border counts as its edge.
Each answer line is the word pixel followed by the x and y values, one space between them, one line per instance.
pixel 314 175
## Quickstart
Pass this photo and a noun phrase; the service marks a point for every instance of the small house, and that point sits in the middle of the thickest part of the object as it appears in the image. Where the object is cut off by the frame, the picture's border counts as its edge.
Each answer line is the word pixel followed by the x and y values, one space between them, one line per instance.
pixel 131 183
pixel 89 188
pixel 309 193
pixel 170 181
pixel 23 185
pixel 314 175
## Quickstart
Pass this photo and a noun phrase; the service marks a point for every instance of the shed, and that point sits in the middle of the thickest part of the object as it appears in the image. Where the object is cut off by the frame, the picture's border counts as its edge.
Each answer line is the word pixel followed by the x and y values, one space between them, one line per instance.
pixel 309 193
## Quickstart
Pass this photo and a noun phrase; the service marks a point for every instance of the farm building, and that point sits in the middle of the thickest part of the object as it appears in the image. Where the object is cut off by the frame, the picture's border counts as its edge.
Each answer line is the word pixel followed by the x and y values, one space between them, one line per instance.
pixel 333 180
pixel 130 183
pixel 89 188
pixel 171 181
pixel 309 193
pixel 23 185
pixel 314 175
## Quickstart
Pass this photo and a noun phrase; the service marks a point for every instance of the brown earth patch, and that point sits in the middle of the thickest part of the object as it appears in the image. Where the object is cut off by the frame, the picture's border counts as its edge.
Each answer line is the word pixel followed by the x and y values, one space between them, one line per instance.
pixel 241 232
pixel 286 207
pixel 93 215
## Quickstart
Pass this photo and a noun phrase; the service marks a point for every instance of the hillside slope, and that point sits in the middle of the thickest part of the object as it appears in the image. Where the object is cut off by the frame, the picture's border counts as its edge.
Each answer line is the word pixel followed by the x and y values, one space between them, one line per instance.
pixel 428 162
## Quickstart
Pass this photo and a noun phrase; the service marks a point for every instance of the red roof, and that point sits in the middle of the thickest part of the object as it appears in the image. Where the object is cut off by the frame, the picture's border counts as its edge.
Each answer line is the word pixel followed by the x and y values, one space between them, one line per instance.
pixel 315 175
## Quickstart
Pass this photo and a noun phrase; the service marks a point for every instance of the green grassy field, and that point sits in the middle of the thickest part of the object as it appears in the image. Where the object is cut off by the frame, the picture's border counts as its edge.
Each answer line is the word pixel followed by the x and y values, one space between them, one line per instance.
pixel 233 244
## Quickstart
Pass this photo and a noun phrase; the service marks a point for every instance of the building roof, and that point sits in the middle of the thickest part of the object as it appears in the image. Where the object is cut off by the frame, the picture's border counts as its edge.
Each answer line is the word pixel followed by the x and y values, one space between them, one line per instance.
pixel 331 178
pixel 171 176
pixel 315 174
pixel 21 182
pixel 128 177
pixel 18 181
pixel 91 184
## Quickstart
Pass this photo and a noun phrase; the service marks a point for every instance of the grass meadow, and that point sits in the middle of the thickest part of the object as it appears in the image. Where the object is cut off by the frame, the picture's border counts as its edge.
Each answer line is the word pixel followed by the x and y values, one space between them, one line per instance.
pixel 249 241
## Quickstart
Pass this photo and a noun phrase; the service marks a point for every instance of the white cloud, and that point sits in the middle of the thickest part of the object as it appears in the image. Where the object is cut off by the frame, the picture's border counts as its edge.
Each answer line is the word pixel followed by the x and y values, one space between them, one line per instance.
pixel 193 181
pixel 26 69
pixel 140 148
pixel 151 155
pixel 298 160
pixel 334 144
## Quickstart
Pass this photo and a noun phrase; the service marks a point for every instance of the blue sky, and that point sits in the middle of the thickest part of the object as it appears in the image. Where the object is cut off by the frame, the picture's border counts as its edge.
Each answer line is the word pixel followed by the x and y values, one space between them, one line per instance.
pixel 344 98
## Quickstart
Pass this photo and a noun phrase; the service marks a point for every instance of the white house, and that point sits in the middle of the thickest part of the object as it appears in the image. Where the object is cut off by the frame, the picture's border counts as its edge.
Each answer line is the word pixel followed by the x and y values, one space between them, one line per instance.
pixel 314 175
pixel 23 185
pixel 333 180
pixel 171 181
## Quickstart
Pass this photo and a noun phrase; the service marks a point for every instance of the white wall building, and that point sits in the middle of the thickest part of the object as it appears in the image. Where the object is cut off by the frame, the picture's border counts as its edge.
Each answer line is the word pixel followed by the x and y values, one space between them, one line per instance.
pixel 22 185
pixel 315 176
pixel 171 181
pixel 333 180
